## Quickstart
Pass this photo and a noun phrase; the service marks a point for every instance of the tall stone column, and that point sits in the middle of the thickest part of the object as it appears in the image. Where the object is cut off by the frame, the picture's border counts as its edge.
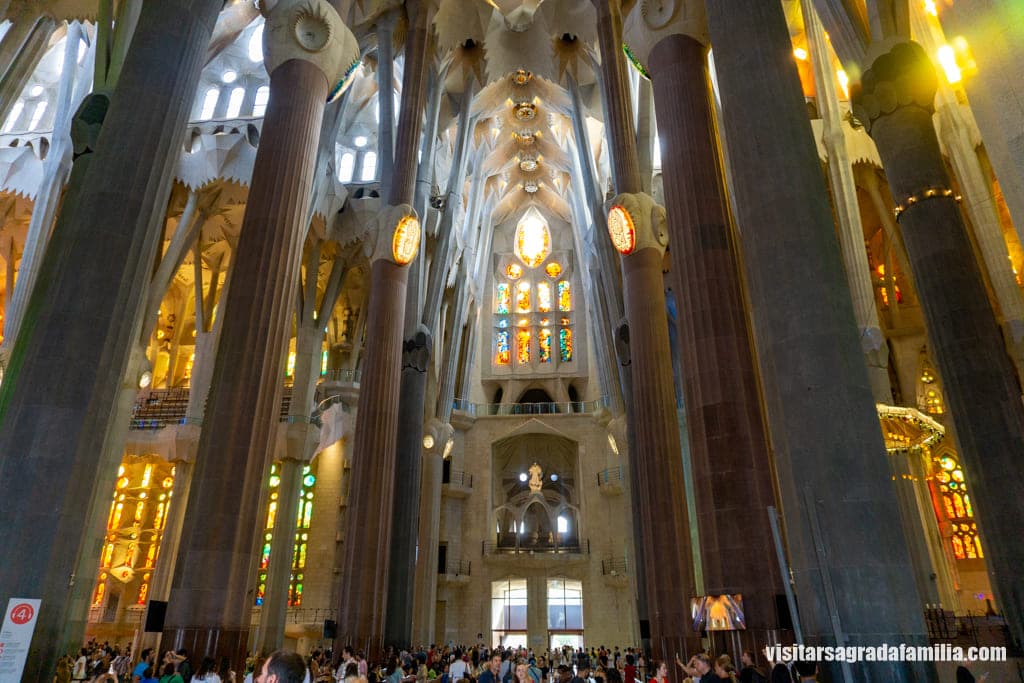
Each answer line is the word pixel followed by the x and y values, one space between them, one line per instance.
pixel 994 30
pixel 844 198
pixel 727 442
pixel 895 101
pixel 638 230
pixel 209 607
pixel 834 480
pixel 386 100
pixel 105 247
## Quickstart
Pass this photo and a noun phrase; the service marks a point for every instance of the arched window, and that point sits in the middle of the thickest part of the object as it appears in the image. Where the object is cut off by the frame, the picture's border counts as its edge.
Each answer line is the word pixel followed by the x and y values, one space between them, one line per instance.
pixel 533 295
pixel 259 105
pixel 235 102
pixel 256 45
pixel 304 514
pixel 369 171
pixel 209 103
pixel 346 167
pixel 15 114
pixel 37 115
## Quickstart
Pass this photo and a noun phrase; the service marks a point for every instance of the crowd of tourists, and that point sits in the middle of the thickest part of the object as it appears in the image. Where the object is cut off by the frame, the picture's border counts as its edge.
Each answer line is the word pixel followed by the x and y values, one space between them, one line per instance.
pixel 107 663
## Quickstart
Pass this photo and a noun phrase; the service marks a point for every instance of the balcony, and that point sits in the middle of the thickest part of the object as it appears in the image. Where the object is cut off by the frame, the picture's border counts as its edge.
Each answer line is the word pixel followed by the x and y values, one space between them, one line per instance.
pixel 456 484
pixel 300 616
pixel 541 553
pixel 457 572
pixel 609 481
pixel 159 408
pixel 504 409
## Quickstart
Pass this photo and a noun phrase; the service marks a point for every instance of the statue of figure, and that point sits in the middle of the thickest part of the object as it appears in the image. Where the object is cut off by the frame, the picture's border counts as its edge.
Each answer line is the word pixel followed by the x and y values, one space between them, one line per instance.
pixel 536 477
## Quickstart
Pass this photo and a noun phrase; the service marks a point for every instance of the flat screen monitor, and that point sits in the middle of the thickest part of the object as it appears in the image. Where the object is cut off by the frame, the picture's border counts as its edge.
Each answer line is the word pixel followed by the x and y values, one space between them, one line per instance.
pixel 718 613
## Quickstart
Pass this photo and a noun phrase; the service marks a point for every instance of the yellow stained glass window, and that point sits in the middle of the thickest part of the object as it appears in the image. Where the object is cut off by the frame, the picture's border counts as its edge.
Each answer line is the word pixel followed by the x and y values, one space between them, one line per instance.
pixel 504 295
pixel 503 354
pixel 544 342
pixel 523 345
pixel 543 297
pixel 564 296
pixel 553 269
pixel 514 271
pixel 523 297
pixel 532 239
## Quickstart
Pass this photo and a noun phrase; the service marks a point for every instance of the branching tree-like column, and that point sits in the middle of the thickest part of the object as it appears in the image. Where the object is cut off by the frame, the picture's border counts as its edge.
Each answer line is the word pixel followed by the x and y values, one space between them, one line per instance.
pixel 728 445
pixel 309 53
pixel 85 321
pixel 895 100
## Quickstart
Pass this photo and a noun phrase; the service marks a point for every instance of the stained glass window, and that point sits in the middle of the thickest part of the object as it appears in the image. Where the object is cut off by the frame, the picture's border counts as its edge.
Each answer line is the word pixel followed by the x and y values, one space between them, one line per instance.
pixel 565 344
pixel 544 341
pixel 533 238
pixel 513 271
pixel 956 507
pixel 564 296
pixel 543 297
pixel 303 517
pixel 523 345
pixel 504 299
pixel 553 269
pixel 503 354
pixel 523 297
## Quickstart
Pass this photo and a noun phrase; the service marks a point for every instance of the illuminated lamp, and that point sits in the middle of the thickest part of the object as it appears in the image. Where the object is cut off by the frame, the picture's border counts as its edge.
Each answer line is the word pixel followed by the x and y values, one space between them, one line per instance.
pixel 406 240
pixel 621 229
pixel 521 77
pixel 525 111
pixel 428 441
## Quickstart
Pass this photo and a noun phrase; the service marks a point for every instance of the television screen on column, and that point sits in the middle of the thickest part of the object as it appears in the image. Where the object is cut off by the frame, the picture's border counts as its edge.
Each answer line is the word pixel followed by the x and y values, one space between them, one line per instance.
pixel 718 613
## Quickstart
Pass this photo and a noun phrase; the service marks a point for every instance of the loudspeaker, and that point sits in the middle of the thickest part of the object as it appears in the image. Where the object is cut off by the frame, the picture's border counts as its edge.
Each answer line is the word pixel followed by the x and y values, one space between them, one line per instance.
pixel 645 629
pixel 330 629
pixel 155 616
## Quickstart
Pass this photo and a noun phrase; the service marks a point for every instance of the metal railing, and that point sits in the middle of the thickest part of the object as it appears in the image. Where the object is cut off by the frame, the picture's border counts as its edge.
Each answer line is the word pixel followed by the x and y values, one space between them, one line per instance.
pixel 568 407
pixel 343 375
pixel 458 568
pixel 614 566
pixel 159 408
pixel 968 629
pixel 458 478
pixel 527 547
pixel 610 475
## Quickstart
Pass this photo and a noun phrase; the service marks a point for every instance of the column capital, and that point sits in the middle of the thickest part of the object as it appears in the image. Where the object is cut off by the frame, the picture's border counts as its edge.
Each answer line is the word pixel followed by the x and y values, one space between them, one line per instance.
pixel 901 77
pixel 311 31
pixel 394 236
pixel 651 22
pixel 416 350
pixel 637 222
pixel 437 434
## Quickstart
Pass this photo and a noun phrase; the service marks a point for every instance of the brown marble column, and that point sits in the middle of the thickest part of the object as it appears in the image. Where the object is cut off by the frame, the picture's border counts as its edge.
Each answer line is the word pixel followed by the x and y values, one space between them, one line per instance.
pixel 363 597
pixel 728 445
pixel 659 493
pixel 68 365
pixel 895 100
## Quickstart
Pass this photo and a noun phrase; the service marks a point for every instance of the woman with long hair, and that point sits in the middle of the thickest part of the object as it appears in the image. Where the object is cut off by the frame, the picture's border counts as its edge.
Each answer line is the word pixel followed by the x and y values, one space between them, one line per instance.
pixel 207 672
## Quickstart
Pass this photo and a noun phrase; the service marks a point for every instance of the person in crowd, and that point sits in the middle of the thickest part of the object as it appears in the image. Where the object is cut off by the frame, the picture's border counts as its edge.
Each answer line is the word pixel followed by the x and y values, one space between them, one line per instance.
pixel 492 672
pixel 660 672
pixel 698 668
pixel 146 659
pixel 724 669
pixel 282 667
pixel 459 669
pixel 629 672
pixel 168 674
pixel 750 671
pixel 206 672
pixel 964 674
pixel 807 672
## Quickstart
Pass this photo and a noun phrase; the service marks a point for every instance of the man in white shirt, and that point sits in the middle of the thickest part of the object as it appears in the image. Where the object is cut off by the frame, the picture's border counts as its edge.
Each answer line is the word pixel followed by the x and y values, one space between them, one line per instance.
pixel 459 669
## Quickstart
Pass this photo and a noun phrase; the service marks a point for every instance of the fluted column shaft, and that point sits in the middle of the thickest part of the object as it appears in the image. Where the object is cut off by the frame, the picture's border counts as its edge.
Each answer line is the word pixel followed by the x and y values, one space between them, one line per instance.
pixel 978 377
pixel 210 606
pixel 282 548
pixel 834 480
pixel 367 547
pixel 659 486
pixel 106 247
pixel 728 445
pixel 385 102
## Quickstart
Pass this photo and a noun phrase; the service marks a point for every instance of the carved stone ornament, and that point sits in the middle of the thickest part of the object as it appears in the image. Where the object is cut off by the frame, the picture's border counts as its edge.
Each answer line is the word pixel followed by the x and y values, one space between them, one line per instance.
pixel 902 77
pixel 312 31
pixel 651 21
pixel 648 220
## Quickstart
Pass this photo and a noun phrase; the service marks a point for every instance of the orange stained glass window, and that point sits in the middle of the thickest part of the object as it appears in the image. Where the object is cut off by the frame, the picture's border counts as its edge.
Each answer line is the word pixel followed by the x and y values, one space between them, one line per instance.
pixel 523 297
pixel 523 345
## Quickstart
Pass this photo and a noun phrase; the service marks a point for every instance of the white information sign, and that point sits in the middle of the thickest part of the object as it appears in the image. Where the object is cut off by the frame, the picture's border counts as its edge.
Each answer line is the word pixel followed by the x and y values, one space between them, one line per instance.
pixel 16 636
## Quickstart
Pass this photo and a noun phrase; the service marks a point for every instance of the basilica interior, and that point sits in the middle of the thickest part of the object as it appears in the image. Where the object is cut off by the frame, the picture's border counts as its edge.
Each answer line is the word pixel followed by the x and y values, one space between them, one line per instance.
pixel 396 322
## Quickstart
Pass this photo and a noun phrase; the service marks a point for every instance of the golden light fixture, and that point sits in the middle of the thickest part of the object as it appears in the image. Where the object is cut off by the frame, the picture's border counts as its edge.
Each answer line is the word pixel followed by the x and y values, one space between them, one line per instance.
pixel 621 229
pixel 526 111
pixel 521 77
pixel 406 240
